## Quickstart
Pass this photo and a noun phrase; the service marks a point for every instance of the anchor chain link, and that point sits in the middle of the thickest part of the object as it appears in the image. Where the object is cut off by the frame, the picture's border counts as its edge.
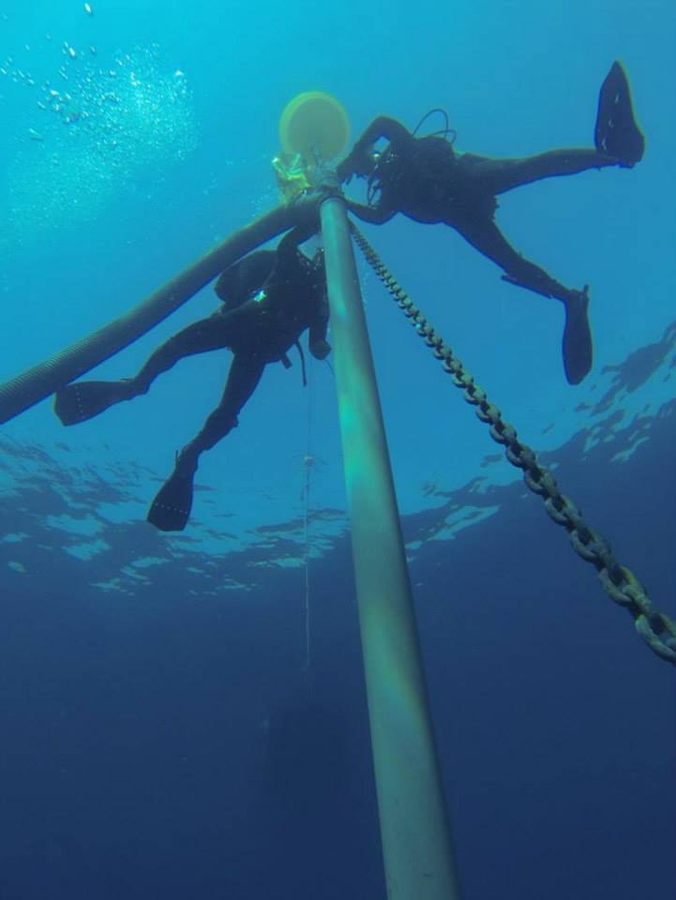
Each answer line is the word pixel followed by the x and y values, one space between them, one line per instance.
pixel 656 628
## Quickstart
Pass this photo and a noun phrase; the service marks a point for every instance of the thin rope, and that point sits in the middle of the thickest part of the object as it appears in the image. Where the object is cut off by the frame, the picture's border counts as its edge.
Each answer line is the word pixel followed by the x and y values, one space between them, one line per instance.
pixel 307 465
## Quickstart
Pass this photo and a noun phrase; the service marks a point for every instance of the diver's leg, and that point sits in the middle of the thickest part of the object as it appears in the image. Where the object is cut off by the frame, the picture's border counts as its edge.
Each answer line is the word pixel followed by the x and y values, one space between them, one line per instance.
pixel 618 141
pixel 496 176
pixel 243 377
pixel 171 507
pixel 213 333
pixel 83 400
pixel 486 237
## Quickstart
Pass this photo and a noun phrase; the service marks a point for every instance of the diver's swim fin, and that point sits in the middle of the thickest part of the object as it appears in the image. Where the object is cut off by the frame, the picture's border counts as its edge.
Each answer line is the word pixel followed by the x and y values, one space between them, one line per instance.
pixel 616 133
pixel 170 510
pixel 85 399
pixel 577 339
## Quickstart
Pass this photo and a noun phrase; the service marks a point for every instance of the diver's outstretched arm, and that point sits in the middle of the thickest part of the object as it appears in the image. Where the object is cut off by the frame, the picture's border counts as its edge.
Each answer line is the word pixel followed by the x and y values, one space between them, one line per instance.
pixel 245 276
pixel 374 215
pixel 358 161
pixel 287 247
pixel 384 127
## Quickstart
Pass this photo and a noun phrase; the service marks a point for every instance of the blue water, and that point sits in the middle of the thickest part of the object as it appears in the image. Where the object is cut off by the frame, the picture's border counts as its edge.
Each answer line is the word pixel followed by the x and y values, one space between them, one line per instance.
pixel 159 733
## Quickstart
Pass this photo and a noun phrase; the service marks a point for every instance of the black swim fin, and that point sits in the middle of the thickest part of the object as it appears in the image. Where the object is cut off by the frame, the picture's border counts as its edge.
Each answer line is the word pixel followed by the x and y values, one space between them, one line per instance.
pixel 170 510
pixel 616 133
pixel 577 339
pixel 85 399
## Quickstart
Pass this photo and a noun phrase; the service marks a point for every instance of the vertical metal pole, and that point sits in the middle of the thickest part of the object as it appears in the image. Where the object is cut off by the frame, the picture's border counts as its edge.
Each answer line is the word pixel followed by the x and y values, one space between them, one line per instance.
pixel 414 827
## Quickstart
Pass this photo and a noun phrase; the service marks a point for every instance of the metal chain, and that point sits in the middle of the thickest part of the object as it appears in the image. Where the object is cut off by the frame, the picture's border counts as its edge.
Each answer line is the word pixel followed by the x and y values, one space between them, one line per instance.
pixel 621 585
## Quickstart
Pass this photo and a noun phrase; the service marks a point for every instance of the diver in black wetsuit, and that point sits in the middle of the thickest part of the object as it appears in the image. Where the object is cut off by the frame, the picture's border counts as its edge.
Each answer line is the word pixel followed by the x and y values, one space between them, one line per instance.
pixel 271 297
pixel 426 180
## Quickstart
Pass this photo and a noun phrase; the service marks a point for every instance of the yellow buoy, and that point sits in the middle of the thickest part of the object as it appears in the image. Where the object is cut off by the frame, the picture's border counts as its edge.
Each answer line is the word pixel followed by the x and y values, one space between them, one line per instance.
pixel 314 125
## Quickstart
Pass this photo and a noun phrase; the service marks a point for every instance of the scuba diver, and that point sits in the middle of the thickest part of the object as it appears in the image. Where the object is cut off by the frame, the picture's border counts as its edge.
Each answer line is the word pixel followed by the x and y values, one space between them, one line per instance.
pixel 426 180
pixel 270 299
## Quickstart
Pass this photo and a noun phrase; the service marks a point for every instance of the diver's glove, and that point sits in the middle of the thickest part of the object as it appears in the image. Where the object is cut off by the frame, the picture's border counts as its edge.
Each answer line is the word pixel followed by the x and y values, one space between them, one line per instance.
pixel 320 349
